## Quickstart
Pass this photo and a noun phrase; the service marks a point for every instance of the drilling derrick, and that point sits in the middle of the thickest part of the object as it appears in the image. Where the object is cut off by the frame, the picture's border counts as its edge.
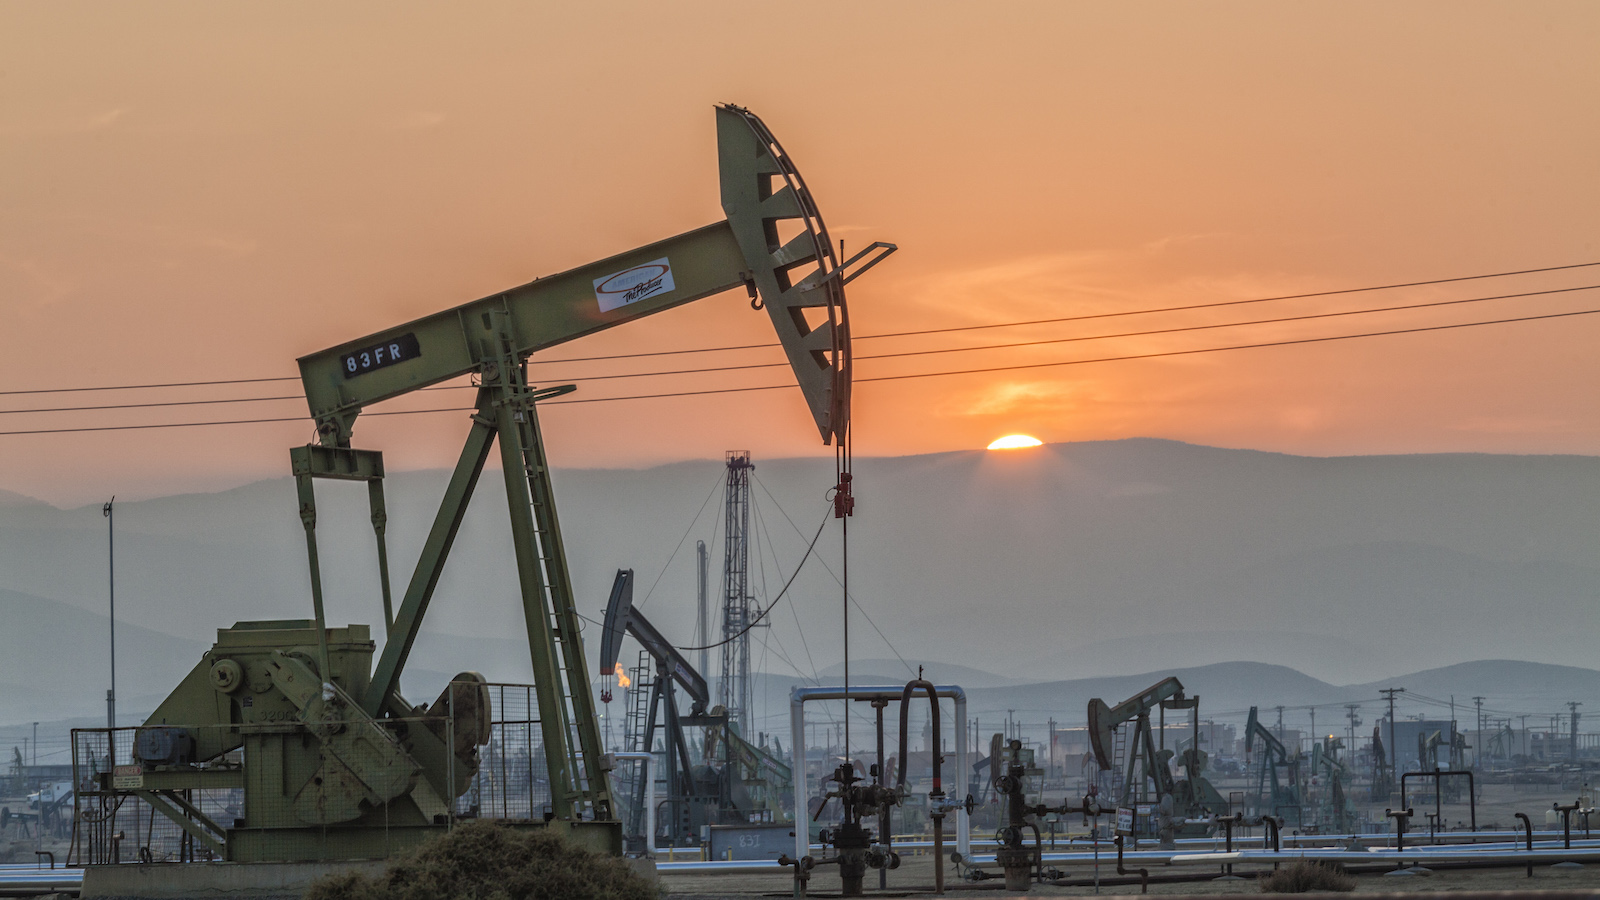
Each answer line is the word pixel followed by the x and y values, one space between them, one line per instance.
pixel 734 688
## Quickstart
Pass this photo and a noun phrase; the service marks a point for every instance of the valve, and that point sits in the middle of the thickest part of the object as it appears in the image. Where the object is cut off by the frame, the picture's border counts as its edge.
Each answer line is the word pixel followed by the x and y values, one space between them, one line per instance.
pixel 855 845
pixel 943 805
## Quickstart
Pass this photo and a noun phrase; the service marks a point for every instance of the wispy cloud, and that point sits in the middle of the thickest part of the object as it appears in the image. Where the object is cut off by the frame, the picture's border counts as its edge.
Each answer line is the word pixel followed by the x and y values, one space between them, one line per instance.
pixel 1006 398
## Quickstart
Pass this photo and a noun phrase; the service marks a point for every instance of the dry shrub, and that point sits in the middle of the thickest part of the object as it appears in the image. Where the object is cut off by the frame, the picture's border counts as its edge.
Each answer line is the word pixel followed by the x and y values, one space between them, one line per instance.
pixel 485 861
pixel 1304 875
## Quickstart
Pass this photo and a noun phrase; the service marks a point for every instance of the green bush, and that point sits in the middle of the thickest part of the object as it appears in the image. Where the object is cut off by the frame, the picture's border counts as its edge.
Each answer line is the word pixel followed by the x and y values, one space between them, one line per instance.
pixel 485 861
pixel 1304 875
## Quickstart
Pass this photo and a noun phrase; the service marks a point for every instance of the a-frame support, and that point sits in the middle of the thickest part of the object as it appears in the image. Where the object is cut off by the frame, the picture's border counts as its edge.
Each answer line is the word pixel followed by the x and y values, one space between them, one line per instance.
pixel 506 412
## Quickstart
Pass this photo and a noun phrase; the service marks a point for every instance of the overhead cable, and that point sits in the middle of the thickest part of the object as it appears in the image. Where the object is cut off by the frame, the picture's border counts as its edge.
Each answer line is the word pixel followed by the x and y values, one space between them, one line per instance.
pixel 1108 315
pixel 878 378
pixel 1135 312
pixel 786 585
pixel 906 353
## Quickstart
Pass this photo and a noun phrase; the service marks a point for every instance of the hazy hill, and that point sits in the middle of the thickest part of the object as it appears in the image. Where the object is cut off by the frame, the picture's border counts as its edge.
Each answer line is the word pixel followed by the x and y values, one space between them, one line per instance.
pixel 894 671
pixel 11 498
pixel 1228 690
pixel 52 670
pixel 1068 561
pixel 54 661
pixel 1507 686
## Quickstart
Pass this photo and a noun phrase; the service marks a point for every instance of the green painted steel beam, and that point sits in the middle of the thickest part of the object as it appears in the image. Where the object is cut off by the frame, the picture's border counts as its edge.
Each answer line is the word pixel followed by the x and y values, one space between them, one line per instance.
pixel 430 564
pixel 542 313
pixel 187 817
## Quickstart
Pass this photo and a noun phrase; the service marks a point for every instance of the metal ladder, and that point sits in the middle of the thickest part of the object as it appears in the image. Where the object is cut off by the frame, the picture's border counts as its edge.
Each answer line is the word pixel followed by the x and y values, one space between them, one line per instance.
pixel 576 705
pixel 634 739
pixel 569 721
pixel 632 786
pixel 1119 761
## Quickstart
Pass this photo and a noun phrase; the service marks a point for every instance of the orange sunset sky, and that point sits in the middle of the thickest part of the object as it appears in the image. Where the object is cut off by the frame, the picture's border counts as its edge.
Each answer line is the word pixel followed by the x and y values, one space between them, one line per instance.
pixel 195 191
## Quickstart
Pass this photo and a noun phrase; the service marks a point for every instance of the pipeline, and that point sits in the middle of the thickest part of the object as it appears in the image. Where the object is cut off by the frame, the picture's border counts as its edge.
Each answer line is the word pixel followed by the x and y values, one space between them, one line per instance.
pixel 1451 838
pixel 1402 818
pixel 911 688
pixel 1144 874
pixel 1438 777
pixel 1566 821
pixel 1358 862
pixel 936 796
pixel 1529 823
pixel 1354 867
pixel 799 696
pixel 1038 852
pixel 1270 834
pixel 1227 823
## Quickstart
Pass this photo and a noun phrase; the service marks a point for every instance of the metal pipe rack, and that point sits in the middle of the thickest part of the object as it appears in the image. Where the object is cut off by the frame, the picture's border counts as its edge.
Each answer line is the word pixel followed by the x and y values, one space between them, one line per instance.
pixel 797 747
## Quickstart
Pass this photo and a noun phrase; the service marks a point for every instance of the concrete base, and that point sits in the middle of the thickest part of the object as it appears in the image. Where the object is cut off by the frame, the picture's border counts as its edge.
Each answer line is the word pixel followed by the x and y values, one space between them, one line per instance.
pixel 257 881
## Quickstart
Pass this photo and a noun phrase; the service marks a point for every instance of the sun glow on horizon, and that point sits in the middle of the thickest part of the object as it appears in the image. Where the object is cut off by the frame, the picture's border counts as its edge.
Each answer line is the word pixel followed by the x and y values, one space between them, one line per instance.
pixel 1015 442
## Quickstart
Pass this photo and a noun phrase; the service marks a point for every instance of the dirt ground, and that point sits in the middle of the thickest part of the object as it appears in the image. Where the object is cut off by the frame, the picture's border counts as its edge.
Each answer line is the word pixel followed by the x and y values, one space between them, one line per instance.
pixel 915 879
pixel 22 850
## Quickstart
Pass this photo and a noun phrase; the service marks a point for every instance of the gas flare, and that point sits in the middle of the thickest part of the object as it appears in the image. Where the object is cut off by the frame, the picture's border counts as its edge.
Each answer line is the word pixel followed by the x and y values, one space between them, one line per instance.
pixel 622 677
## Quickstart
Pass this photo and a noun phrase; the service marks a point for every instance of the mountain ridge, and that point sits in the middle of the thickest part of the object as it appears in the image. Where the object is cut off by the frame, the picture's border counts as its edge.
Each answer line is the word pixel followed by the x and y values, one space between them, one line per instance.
pixel 1077 559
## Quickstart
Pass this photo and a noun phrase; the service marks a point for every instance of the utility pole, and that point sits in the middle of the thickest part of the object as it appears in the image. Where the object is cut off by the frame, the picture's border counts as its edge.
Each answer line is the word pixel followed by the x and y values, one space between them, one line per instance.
pixel 1524 735
pixel 36 743
pixel 1314 737
pixel 1350 713
pixel 1394 752
pixel 1573 706
pixel 1477 743
pixel 1280 724
pixel 111 580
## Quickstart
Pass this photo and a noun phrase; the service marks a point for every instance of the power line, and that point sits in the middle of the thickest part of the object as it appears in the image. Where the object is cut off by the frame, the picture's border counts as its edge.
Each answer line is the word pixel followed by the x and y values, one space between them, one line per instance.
pixel 907 353
pixel 777 565
pixel 829 570
pixel 1210 327
pixel 8 412
pixel 681 538
pixel 136 387
pixel 1099 337
pixel 1286 343
pixel 1080 318
pixel 792 576
pixel 914 375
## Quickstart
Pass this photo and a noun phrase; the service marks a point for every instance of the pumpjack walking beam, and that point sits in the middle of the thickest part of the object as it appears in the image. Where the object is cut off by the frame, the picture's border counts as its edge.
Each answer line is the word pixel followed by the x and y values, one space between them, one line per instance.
pixel 800 282
pixel 1104 719
pixel 1274 756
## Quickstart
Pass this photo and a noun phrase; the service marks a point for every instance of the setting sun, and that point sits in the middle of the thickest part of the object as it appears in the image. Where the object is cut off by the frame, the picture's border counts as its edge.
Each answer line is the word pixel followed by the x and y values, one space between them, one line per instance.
pixel 1015 442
